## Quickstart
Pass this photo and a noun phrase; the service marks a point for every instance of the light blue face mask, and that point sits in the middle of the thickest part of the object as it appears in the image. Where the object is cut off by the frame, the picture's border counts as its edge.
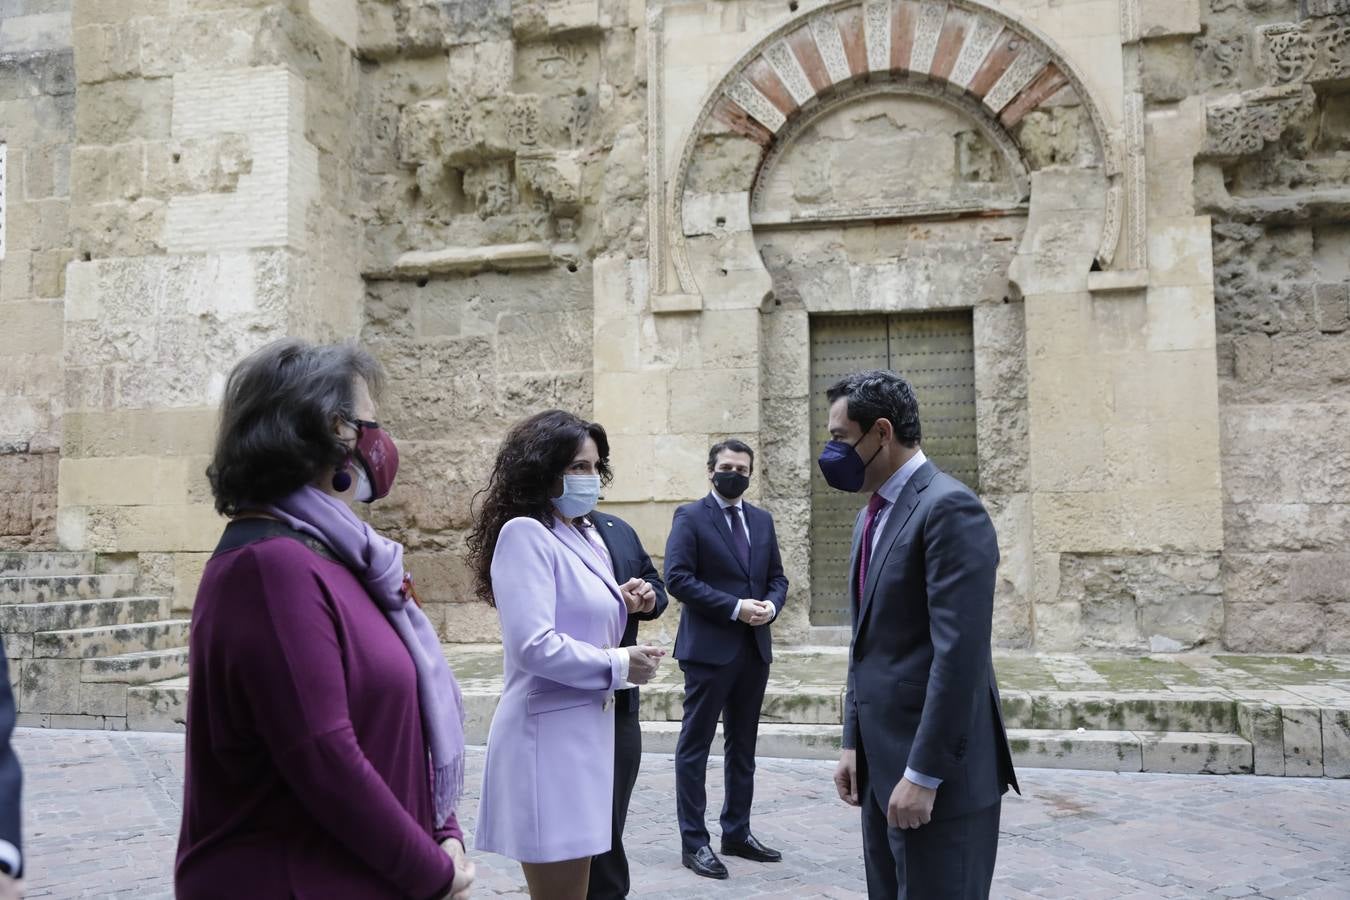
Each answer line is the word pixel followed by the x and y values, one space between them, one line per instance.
pixel 579 496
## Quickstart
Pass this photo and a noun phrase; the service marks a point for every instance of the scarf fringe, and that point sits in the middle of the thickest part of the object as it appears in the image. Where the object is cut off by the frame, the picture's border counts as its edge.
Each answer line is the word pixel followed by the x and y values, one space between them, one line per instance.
pixel 447 788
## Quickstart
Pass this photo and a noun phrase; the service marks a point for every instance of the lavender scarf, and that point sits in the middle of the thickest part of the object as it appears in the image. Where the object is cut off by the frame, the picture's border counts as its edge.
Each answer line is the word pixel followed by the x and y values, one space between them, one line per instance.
pixel 377 562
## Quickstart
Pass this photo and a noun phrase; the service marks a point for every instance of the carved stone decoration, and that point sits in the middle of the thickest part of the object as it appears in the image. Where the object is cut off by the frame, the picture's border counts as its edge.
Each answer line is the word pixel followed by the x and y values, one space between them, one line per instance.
pixel 815 42
pixel 748 97
pixel 784 63
pixel 1310 52
pixel 825 30
pixel 1316 9
pixel 987 127
pixel 1285 52
pixel 1136 185
pixel 973 52
pixel 656 153
pixel 877 24
pixel 1244 124
pixel 1130 30
pixel 1020 74
pixel 926 33
pixel 1110 242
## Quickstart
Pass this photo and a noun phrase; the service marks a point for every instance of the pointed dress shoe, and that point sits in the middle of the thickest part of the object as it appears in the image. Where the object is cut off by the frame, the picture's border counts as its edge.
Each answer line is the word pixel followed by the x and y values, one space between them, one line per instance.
pixel 704 862
pixel 750 848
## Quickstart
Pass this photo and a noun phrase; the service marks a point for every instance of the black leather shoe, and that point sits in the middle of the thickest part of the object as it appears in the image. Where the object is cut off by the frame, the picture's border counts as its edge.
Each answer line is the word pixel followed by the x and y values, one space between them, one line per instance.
pixel 704 862
pixel 751 848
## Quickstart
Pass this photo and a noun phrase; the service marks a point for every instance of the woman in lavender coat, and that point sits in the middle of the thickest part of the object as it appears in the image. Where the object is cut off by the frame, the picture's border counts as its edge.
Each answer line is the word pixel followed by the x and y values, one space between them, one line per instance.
pixel 548 780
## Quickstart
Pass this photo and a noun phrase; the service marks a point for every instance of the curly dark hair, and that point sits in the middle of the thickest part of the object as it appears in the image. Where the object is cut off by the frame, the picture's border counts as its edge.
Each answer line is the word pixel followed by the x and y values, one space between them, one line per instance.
pixel 276 420
pixel 532 457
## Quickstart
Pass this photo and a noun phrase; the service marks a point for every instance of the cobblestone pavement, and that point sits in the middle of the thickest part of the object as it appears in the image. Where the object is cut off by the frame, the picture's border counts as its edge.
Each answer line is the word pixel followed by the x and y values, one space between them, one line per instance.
pixel 102 812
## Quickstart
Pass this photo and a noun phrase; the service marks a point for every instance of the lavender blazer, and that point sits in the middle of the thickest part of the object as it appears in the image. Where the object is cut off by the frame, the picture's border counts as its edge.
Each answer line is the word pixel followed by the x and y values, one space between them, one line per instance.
pixel 549 777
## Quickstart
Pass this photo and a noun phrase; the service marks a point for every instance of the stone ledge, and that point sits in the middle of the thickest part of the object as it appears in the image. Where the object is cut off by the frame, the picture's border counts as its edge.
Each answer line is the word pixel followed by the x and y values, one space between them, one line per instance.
pixel 1117 281
pixel 467 260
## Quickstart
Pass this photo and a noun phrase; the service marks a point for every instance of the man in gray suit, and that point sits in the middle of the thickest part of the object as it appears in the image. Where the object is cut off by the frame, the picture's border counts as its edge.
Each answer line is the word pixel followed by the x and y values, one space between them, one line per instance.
pixel 925 753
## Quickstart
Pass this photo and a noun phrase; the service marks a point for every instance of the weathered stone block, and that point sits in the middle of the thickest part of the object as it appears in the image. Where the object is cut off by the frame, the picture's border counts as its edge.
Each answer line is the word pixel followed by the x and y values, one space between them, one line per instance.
pixel 103 699
pixel 119 111
pixel 1302 740
pixel 50 686
pixel 715 401
pixel 1263 725
pixel 1196 754
pixel 1336 742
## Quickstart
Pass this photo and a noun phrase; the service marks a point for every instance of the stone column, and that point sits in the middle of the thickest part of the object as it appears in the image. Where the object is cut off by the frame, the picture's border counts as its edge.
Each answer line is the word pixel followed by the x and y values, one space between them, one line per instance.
pixel 37 124
pixel 209 190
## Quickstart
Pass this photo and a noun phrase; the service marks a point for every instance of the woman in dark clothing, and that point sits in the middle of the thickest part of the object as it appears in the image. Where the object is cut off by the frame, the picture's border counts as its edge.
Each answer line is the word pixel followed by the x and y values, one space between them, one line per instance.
pixel 325 739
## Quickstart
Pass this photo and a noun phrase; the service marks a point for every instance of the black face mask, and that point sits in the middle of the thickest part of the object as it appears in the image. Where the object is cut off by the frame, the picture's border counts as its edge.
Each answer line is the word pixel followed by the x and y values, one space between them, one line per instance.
pixel 730 484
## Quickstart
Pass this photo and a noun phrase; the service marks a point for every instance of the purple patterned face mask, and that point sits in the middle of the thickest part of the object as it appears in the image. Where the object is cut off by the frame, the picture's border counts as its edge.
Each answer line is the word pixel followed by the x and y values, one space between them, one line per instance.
pixel 378 456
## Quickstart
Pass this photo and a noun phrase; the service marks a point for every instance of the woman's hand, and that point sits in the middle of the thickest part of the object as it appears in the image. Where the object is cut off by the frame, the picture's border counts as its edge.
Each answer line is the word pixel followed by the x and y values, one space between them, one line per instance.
pixel 465 872
pixel 642 663
pixel 638 595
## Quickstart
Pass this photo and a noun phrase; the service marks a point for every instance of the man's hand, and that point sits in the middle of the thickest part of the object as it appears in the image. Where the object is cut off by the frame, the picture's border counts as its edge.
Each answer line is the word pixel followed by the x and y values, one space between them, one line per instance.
pixel 10 888
pixel 638 595
pixel 756 612
pixel 910 805
pixel 846 777
pixel 465 871
pixel 642 663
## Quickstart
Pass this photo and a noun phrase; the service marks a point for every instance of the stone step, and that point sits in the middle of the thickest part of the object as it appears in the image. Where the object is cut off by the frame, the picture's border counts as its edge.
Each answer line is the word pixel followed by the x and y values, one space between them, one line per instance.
pixel 64 615
pixel 775 740
pixel 51 588
pixel 25 562
pixel 160 706
pixel 112 640
pixel 1195 711
pixel 143 667
pixel 1046 710
pixel 1185 753
pixel 1181 753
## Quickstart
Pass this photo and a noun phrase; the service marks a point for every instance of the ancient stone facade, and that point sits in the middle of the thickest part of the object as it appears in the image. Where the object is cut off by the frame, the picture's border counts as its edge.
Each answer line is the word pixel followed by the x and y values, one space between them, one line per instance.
pixel 647 211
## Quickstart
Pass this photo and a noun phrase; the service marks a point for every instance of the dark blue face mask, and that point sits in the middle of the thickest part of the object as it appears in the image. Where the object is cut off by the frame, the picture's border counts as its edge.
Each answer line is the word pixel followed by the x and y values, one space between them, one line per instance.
pixel 843 468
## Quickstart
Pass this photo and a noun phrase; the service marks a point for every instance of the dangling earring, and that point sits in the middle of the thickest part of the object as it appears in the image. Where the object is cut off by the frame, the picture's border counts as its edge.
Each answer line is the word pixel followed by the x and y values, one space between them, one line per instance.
pixel 342 479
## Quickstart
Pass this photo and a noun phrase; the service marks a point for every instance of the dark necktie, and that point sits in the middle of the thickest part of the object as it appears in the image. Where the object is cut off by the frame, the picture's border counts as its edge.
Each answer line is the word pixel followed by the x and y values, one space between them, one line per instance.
pixel 738 538
pixel 874 507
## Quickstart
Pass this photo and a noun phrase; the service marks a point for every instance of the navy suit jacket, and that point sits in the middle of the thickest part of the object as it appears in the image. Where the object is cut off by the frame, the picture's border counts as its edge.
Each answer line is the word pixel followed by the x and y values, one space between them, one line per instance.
pixel 630 561
pixel 705 574
pixel 11 777
pixel 921 689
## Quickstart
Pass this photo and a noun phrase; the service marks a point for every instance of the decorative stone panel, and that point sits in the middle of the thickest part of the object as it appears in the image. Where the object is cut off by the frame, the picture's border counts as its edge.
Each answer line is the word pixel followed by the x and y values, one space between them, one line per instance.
pixel 963 47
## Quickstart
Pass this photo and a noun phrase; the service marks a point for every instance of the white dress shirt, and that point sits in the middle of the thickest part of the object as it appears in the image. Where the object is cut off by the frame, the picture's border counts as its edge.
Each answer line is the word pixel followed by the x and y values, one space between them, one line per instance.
pixel 891 491
pixel 745 526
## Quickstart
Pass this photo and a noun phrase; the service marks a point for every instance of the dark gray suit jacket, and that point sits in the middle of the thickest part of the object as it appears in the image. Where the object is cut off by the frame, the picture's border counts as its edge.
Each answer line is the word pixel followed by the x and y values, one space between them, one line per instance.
pixel 11 777
pixel 921 689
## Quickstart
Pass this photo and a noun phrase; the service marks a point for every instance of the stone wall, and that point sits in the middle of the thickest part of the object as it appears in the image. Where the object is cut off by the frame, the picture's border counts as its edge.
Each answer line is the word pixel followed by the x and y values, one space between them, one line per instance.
pixel 502 178
pixel 210 211
pixel 37 125
pixel 1273 176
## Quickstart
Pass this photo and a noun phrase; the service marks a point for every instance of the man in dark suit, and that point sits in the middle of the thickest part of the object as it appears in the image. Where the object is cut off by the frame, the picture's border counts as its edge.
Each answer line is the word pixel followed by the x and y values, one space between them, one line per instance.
pixel 722 563
pixel 11 784
pixel 633 570
pixel 925 751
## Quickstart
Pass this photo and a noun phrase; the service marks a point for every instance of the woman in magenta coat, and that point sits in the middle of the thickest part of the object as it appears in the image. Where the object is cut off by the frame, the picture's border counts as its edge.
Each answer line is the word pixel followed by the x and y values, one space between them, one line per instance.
pixel 325 741
pixel 548 781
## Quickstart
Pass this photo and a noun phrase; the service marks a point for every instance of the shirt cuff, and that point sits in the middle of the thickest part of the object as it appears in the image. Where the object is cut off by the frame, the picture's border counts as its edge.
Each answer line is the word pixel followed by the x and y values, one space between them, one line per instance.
pixel 10 857
pixel 736 611
pixel 923 781
pixel 621 654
